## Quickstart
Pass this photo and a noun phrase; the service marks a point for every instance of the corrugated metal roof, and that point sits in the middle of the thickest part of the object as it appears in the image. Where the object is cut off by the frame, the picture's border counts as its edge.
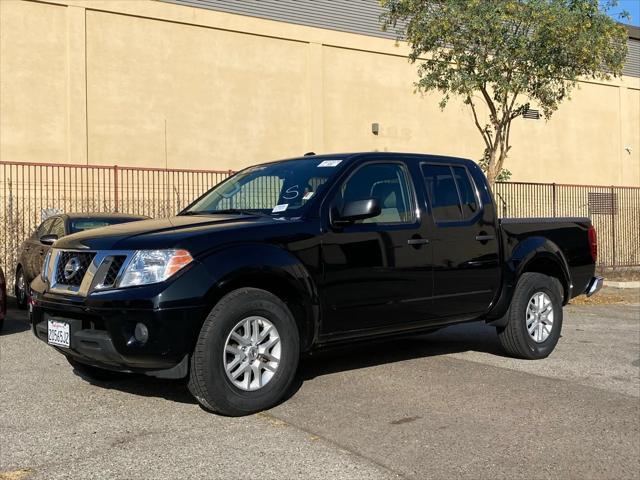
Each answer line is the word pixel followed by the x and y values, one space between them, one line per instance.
pixel 632 67
pixel 353 16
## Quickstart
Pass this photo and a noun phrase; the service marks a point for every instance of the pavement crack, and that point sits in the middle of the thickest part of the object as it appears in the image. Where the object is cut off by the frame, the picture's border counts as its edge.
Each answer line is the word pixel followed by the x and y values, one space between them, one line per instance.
pixel 277 421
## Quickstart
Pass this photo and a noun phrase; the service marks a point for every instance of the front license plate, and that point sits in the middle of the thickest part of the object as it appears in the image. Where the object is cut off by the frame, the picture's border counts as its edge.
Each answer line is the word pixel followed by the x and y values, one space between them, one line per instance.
pixel 58 333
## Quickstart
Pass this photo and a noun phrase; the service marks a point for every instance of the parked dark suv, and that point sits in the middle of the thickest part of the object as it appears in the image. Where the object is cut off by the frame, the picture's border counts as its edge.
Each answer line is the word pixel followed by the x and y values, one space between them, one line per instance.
pixel 34 248
pixel 292 256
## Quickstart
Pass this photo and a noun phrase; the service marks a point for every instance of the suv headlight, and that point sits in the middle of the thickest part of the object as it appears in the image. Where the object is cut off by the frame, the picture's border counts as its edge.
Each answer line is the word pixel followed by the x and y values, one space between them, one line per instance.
pixel 44 273
pixel 154 266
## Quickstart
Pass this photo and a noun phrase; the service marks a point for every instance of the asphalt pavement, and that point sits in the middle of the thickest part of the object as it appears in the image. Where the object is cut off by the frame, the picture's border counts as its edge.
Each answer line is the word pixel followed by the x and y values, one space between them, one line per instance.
pixel 445 405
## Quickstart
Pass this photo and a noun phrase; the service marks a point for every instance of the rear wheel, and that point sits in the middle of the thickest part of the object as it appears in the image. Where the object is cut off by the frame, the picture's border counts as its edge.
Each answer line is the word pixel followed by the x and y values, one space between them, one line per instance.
pixel 95 373
pixel 21 289
pixel 534 318
pixel 246 355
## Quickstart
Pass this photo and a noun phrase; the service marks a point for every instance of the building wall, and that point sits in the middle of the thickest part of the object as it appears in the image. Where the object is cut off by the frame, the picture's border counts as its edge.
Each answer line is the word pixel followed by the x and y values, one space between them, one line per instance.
pixel 144 83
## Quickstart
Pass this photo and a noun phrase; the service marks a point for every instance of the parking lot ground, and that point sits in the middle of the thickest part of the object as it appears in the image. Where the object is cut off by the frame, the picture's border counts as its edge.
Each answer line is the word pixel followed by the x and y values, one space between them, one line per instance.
pixel 445 405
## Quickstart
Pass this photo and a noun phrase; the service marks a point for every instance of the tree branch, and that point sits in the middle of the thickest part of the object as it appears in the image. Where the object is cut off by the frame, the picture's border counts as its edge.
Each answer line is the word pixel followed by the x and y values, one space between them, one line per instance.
pixel 485 136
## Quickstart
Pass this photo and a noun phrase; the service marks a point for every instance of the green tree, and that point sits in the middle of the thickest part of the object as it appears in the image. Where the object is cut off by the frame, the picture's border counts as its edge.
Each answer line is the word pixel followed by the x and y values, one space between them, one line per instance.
pixel 505 55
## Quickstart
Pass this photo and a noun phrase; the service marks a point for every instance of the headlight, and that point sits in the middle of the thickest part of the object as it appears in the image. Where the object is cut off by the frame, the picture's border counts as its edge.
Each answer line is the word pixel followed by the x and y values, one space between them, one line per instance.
pixel 44 273
pixel 153 266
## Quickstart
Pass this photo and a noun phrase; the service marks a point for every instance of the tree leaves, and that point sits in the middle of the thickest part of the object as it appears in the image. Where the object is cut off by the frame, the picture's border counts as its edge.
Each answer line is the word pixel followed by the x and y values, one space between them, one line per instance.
pixel 507 54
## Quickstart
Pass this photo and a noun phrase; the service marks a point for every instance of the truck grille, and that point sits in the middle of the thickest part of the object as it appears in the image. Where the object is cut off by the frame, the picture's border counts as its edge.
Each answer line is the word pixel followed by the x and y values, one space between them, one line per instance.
pixel 72 267
pixel 114 268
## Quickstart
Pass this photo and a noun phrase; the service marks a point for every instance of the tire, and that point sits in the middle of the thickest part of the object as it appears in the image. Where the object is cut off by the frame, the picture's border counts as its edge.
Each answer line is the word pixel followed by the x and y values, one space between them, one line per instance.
pixel 21 289
pixel 96 373
pixel 217 351
pixel 516 337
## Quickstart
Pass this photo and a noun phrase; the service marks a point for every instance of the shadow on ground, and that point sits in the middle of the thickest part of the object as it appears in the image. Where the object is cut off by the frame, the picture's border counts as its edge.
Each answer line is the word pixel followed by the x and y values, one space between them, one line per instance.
pixel 16 320
pixel 475 336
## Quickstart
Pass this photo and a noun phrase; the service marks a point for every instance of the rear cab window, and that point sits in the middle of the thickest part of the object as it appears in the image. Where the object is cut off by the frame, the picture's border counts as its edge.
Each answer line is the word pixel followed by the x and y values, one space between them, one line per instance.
pixel 451 192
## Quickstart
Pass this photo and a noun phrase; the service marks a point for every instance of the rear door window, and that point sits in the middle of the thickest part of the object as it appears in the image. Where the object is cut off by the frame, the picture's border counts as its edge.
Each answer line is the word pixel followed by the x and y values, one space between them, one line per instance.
pixel 442 191
pixel 468 198
pixel 451 192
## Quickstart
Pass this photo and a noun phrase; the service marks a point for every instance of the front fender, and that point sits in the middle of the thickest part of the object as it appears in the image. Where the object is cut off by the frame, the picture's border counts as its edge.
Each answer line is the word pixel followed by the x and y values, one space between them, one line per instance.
pixel 269 267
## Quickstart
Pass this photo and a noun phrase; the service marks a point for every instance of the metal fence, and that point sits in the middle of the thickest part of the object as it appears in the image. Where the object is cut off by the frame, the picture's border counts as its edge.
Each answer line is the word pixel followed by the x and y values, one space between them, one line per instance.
pixel 29 192
pixel 614 211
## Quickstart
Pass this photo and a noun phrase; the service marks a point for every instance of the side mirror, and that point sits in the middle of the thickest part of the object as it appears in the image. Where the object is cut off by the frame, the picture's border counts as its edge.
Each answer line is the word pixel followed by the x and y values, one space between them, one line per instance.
pixel 48 239
pixel 358 210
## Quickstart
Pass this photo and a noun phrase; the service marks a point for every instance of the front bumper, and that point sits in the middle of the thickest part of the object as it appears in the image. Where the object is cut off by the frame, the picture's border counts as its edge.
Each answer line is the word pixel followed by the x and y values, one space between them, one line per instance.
pixel 594 286
pixel 102 324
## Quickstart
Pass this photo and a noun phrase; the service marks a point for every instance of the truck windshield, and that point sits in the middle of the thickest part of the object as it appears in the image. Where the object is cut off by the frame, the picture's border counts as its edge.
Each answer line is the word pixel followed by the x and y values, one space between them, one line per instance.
pixel 281 189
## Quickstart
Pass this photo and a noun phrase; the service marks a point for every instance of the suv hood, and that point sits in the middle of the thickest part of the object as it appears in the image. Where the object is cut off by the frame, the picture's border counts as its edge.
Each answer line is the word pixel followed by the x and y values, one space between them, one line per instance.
pixel 175 232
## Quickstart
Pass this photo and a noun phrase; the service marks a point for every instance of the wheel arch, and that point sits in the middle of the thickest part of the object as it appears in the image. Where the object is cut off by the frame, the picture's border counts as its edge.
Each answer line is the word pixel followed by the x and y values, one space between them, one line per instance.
pixel 532 255
pixel 541 255
pixel 274 270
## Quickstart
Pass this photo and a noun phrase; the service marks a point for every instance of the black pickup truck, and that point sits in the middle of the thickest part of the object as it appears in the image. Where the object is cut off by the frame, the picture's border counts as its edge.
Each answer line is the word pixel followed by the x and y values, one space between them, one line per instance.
pixel 288 257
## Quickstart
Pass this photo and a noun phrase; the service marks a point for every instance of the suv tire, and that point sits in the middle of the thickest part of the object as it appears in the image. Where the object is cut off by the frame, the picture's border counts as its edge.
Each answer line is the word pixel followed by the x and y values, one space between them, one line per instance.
pixel 241 334
pixel 534 317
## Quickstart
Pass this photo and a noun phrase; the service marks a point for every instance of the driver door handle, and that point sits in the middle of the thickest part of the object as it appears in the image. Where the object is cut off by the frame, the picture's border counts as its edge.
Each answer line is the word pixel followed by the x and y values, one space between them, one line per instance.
pixel 418 241
pixel 484 238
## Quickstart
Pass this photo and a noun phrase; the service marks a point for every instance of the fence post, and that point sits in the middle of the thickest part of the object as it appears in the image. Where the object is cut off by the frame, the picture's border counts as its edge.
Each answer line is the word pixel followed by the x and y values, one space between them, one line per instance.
pixel 554 200
pixel 115 188
pixel 613 227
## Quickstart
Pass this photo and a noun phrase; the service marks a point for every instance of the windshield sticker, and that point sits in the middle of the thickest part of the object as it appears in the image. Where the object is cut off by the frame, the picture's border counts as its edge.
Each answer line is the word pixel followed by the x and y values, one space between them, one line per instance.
pixel 329 163
pixel 307 195
pixel 280 208
pixel 291 193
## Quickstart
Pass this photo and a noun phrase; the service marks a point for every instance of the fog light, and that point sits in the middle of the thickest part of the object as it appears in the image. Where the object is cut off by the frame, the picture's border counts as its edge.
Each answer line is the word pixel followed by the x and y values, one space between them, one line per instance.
pixel 141 333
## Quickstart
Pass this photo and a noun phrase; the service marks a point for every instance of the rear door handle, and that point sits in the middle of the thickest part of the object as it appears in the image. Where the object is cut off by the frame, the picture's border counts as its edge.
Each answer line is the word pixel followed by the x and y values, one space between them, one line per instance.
pixel 484 238
pixel 417 241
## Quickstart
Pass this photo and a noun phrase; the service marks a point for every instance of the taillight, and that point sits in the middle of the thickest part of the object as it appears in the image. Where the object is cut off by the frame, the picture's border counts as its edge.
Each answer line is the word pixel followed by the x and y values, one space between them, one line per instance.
pixel 593 243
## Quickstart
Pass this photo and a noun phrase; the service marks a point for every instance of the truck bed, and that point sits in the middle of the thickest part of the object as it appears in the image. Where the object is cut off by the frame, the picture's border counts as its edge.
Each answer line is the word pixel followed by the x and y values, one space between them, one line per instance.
pixel 569 235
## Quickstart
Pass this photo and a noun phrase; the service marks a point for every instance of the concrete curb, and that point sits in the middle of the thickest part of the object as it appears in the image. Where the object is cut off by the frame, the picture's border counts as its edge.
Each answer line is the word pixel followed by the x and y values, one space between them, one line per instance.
pixel 608 283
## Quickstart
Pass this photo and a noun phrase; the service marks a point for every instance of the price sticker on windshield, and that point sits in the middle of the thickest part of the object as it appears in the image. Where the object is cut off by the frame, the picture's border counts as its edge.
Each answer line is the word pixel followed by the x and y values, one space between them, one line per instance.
pixel 280 208
pixel 329 163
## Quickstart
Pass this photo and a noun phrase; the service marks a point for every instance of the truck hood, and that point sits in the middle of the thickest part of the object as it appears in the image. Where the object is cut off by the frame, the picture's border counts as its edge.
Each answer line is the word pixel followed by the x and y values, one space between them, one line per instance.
pixel 175 232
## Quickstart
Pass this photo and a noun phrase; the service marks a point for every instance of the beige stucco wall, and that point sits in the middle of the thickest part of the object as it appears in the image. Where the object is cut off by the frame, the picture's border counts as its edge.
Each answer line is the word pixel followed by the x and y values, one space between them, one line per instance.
pixel 138 82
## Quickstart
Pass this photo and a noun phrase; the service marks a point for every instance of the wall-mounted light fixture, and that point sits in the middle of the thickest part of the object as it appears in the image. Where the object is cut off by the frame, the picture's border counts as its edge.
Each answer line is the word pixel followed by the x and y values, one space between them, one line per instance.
pixel 375 128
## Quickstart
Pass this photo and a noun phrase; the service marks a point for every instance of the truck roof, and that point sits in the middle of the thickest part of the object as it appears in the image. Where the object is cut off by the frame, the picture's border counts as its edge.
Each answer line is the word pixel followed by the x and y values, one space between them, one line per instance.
pixel 383 155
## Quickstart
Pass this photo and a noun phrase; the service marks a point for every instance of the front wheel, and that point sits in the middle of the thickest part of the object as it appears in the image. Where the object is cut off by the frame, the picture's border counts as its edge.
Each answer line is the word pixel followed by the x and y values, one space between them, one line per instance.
pixel 21 289
pixel 246 355
pixel 534 318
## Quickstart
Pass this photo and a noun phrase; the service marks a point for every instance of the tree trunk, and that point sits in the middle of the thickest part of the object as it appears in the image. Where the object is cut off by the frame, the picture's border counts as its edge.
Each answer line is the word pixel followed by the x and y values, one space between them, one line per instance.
pixel 492 172
pixel 495 157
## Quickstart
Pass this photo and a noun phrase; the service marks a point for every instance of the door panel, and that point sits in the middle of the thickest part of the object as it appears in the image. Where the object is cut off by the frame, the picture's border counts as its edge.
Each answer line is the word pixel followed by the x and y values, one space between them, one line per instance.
pixel 374 280
pixel 465 246
pixel 377 274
